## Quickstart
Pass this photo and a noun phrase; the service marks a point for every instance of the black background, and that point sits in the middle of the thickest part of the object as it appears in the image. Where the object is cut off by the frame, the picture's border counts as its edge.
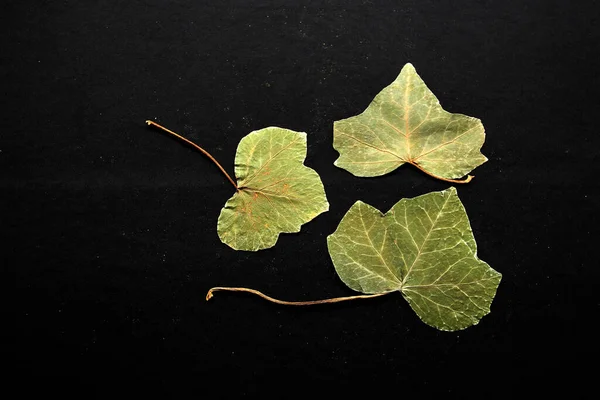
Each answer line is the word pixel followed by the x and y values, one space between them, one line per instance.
pixel 109 227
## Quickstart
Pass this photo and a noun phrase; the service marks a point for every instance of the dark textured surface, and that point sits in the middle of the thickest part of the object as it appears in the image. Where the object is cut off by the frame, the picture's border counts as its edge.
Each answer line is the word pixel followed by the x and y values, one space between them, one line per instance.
pixel 109 227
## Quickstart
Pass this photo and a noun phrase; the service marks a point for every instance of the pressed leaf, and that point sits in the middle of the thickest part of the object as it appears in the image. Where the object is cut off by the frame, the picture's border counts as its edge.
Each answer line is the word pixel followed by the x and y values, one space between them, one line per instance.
pixel 425 249
pixel 406 124
pixel 276 191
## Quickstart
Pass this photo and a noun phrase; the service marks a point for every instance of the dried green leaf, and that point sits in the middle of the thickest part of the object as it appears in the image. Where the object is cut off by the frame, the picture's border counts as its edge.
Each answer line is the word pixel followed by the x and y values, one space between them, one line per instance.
pixel 406 124
pixel 425 249
pixel 276 191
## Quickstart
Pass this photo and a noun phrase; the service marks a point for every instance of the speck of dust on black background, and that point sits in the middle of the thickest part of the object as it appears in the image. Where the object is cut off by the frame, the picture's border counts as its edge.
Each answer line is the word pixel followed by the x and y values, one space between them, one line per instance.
pixel 109 227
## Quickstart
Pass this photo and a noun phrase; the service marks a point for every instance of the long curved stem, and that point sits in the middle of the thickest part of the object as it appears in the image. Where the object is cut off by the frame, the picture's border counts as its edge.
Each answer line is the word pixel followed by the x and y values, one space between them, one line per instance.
pixel 206 153
pixel 210 294
pixel 466 180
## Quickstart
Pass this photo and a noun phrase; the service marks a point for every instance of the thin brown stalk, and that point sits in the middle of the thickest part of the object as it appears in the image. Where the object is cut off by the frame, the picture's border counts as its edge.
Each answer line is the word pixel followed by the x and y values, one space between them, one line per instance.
pixel 210 294
pixel 466 180
pixel 206 153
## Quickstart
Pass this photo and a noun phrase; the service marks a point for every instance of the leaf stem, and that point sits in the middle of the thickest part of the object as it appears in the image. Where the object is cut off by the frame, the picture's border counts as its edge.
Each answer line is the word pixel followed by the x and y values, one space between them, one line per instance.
pixel 466 180
pixel 210 294
pixel 206 153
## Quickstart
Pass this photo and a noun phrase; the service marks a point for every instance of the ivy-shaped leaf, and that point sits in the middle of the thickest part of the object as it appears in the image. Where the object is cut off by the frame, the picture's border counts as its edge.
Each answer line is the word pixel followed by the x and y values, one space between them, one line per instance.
pixel 275 191
pixel 406 124
pixel 425 249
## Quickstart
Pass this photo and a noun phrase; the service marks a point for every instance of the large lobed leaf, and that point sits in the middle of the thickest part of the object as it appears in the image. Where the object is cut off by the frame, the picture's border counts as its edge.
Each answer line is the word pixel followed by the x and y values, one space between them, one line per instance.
pixel 276 191
pixel 425 249
pixel 406 124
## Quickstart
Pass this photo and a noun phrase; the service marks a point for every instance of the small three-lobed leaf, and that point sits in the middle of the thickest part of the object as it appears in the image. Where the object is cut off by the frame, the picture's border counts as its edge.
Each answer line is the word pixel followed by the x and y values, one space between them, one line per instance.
pixel 406 124
pixel 425 249
pixel 276 191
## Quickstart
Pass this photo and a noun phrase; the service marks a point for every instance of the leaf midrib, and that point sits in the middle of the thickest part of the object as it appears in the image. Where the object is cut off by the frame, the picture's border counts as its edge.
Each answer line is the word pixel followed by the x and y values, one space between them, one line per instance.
pixel 424 241
pixel 406 115
pixel 246 183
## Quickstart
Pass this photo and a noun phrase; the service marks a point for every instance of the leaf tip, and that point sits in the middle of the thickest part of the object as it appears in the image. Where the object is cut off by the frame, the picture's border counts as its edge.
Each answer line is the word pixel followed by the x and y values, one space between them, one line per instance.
pixel 408 67
pixel 360 203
